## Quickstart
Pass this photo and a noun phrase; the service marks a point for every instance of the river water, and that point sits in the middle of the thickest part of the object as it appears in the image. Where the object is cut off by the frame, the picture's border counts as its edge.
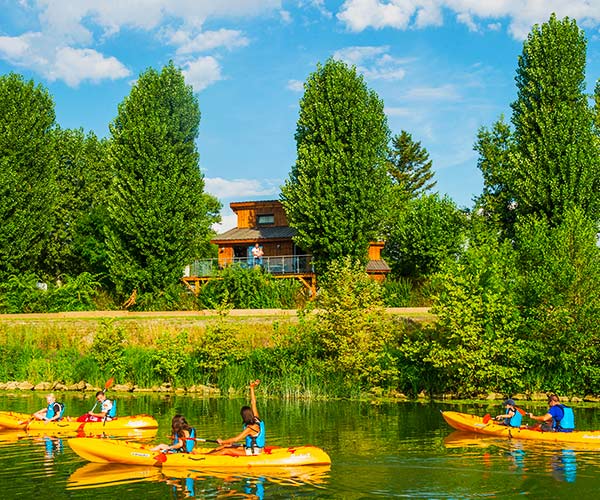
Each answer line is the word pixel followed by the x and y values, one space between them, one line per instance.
pixel 378 450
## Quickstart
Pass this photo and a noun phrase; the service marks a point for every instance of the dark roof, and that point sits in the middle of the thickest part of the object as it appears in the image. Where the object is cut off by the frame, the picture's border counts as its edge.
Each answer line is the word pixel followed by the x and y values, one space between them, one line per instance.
pixel 253 234
pixel 379 266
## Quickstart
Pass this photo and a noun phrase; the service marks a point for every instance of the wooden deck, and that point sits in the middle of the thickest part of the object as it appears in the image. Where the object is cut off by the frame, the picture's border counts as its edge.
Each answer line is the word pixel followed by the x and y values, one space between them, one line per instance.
pixel 297 267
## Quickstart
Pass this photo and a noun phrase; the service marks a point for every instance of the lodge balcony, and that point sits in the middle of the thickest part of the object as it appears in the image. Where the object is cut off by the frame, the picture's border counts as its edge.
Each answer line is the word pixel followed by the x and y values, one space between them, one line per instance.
pixel 282 266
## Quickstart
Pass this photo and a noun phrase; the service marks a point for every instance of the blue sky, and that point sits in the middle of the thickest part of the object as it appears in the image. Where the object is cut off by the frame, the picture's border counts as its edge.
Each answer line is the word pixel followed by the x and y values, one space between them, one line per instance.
pixel 443 68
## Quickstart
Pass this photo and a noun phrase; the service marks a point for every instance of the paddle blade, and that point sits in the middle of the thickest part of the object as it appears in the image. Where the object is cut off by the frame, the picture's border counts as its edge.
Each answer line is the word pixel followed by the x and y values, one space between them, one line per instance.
pixel 161 457
pixel 109 383
pixel 487 417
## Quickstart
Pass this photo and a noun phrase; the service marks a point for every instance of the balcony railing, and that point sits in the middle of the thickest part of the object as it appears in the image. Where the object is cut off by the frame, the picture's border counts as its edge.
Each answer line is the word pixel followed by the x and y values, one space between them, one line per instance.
pixel 283 264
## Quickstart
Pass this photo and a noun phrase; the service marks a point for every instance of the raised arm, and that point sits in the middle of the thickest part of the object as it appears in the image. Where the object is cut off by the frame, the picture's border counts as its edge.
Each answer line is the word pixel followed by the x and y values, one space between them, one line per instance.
pixel 253 384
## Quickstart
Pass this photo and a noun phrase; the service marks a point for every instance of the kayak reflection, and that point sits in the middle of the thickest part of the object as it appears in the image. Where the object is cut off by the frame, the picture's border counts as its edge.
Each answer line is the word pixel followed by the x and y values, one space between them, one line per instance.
pixel 183 480
pixel 522 454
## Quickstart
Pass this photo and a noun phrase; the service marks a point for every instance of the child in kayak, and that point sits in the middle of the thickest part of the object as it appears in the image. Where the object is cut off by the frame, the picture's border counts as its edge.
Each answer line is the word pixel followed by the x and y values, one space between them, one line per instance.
pixel 108 410
pixel 184 437
pixel 513 417
pixel 253 433
pixel 53 412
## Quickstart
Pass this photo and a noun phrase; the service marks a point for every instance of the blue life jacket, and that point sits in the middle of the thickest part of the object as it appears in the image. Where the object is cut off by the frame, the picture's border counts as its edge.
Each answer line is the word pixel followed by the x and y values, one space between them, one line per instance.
pixel 515 420
pixel 188 444
pixel 51 410
pixel 567 422
pixel 257 441
pixel 112 413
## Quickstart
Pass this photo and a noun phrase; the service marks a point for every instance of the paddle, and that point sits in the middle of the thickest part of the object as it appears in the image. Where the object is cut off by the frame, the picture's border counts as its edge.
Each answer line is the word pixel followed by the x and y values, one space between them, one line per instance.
pixel 162 456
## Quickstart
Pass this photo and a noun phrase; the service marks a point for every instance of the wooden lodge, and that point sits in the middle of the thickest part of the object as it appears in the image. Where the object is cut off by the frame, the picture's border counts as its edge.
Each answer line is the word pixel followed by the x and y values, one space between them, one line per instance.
pixel 265 223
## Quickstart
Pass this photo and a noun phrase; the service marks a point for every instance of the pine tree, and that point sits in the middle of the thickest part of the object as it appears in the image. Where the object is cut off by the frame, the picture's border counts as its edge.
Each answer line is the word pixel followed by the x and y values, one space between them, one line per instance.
pixel 336 193
pixel 409 166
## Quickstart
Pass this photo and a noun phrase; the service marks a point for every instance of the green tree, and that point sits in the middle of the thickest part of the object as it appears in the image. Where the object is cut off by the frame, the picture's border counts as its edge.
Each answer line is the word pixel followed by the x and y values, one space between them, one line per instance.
pixel 555 162
pixel 409 166
pixel 353 333
pixel 497 202
pixel 159 214
pixel 76 242
pixel 559 292
pixel 475 340
pixel 429 231
pixel 335 194
pixel 27 187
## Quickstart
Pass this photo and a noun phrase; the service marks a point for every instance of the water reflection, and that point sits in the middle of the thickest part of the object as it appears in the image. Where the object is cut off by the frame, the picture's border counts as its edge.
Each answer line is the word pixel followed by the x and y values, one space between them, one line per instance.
pixel 564 466
pixel 522 455
pixel 53 446
pixel 183 481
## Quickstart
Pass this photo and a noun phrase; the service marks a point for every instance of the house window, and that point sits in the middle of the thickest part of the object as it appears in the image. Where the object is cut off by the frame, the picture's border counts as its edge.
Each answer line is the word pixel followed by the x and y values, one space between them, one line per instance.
pixel 265 219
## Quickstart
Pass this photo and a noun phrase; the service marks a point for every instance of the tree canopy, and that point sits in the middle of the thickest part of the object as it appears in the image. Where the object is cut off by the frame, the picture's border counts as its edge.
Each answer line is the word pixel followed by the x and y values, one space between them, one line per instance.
pixel 335 194
pixel 159 214
pixel 27 177
pixel 550 161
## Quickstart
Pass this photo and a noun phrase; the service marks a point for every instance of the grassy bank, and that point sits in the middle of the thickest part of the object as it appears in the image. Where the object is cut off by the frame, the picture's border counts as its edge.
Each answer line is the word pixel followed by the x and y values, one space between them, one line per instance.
pixel 154 350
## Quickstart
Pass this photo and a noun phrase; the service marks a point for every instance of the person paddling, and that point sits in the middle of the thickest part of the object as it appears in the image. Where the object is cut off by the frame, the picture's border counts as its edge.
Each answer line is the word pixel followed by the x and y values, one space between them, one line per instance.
pixel 253 433
pixel 184 437
pixel 560 418
pixel 108 410
pixel 512 417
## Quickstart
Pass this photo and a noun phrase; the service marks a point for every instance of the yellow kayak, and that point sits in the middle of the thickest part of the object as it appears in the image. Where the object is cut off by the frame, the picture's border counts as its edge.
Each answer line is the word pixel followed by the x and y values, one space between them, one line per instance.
pixel 474 423
pixel 123 452
pixel 23 421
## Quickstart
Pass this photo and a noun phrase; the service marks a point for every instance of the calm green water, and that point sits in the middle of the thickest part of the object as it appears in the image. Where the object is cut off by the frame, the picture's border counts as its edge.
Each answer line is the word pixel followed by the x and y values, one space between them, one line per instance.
pixel 378 451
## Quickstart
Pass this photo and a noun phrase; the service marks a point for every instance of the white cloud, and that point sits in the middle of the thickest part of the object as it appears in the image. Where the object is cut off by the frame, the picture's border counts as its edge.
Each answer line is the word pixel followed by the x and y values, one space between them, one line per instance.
pixel 228 221
pixel 361 14
pixel 295 86
pixel 240 188
pixel 75 65
pixel 202 72
pixel 209 40
pixel 40 53
pixel 65 47
pixel 373 62
pixel 358 15
pixel 14 48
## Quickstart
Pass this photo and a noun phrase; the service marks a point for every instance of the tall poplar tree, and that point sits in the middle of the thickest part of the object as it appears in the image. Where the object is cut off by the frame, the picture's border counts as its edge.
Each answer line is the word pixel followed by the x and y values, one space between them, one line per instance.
pixel 159 214
pixel 336 192
pixel 556 162
pixel 27 188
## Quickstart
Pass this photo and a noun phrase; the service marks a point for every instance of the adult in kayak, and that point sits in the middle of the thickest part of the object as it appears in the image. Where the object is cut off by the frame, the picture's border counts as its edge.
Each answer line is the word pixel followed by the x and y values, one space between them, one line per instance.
pixel 53 412
pixel 108 410
pixel 253 433
pixel 560 418
pixel 184 437
pixel 512 417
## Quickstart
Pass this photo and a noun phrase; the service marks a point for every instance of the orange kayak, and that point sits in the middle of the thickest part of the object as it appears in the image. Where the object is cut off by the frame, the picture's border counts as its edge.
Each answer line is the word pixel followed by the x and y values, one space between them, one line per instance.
pixel 474 423
pixel 102 450
pixel 23 421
